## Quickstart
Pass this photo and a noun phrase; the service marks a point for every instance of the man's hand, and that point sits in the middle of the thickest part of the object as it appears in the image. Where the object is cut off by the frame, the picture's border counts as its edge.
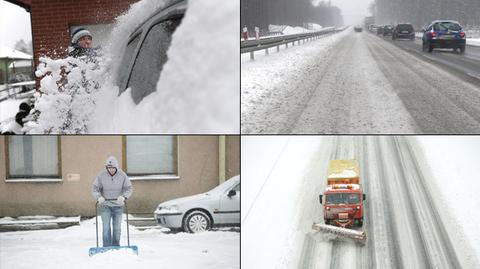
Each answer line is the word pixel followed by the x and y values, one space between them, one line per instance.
pixel 120 200
pixel 101 200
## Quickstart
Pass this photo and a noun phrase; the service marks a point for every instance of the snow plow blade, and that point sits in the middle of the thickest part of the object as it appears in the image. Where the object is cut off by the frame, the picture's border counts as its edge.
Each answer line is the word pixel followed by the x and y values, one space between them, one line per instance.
pixel 93 251
pixel 357 236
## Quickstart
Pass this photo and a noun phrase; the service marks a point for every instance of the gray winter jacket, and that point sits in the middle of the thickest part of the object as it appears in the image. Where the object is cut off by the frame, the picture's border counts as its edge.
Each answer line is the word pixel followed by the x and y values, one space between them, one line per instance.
pixel 110 187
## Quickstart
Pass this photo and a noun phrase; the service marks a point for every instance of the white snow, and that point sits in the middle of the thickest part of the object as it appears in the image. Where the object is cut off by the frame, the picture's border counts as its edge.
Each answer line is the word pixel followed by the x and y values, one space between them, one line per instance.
pixel 280 199
pixel 271 210
pixel 344 174
pixel 68 248
pixel 197 91
pixel 454 165
pixel 9 108
pixel 473 42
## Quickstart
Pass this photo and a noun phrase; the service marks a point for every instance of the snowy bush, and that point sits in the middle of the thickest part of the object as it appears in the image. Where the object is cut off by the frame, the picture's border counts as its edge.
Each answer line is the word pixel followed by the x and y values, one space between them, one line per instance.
pixel 67 95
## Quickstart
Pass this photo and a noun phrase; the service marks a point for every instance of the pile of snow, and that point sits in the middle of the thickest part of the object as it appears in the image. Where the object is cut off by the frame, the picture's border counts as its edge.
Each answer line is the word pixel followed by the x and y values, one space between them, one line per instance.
pixel 473 42
pixel 276 28
pixel 9 108
pixel 68 248
pixel 197 91
pixel 289 30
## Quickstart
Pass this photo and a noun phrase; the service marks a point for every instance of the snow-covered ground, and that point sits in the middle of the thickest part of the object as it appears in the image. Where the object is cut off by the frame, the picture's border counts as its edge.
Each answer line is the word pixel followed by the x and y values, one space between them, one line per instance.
pixel 356 83
pixel 284 175
pixel 9 108
pixel 453 161
pixel 68 248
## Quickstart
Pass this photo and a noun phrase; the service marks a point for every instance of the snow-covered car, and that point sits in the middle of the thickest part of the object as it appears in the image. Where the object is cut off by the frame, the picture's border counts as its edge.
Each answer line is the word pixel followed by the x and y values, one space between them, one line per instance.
pixel 215 208
pixel 146 50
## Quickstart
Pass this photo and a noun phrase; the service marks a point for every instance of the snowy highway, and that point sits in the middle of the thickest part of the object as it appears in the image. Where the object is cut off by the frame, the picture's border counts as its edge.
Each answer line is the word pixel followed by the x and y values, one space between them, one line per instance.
pixel 406 221
pixel 360 83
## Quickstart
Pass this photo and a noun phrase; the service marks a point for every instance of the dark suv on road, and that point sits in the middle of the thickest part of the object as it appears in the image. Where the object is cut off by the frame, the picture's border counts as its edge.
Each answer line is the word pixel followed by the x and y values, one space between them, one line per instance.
pixel 387 30
pixel 444 34
pixel 403 30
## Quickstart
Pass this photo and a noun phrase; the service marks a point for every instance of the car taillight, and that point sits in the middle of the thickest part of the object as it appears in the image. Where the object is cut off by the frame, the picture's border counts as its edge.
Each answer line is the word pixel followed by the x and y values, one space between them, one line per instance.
pixel 462 34
pixel 434 34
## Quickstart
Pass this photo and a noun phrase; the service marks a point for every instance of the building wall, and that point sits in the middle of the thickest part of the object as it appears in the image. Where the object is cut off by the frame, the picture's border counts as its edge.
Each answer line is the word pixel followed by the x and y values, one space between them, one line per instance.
pixel 51 21
pixel 85 156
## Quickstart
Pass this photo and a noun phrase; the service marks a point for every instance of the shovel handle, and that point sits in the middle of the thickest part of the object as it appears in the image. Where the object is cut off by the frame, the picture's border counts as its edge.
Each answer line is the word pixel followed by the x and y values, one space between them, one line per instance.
pixel 96 220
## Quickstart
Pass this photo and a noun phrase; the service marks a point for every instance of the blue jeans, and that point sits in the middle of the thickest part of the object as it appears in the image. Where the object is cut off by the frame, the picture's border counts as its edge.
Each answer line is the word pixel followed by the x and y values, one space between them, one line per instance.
pixel 114 214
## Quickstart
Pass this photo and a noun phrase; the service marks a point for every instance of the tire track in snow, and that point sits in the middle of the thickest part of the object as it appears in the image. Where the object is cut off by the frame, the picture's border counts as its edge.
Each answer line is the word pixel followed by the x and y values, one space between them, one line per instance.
pixel 440 248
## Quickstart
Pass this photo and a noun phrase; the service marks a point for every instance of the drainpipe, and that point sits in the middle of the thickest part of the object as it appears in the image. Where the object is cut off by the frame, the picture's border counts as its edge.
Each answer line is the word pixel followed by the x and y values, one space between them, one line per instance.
pixel 221 159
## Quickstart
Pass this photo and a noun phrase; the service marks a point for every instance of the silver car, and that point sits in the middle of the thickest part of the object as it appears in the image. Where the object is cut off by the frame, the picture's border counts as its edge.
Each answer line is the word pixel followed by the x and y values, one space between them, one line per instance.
pixel 217 207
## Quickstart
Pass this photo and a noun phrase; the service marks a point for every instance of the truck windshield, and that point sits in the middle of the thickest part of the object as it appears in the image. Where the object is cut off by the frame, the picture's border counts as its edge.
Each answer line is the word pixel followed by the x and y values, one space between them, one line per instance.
pixel 343 198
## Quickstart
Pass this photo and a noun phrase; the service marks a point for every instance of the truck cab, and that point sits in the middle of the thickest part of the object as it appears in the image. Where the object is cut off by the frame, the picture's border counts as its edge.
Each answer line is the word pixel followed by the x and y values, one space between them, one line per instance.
pixel 343 198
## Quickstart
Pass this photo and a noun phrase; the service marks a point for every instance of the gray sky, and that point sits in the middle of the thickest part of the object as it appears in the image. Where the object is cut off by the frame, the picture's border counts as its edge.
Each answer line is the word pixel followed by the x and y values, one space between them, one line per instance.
pixel 353 11
pixel 14 24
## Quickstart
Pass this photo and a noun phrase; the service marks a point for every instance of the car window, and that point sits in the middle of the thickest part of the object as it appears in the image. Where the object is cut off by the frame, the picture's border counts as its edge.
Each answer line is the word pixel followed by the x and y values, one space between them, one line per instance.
pixel 237 188
pixel 405 27
pixel 124 66
pixel 151 58
pixel 445 26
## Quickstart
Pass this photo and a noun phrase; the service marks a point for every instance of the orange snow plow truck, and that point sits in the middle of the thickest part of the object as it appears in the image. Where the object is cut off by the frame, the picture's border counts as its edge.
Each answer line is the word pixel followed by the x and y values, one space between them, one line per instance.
pixel 343 201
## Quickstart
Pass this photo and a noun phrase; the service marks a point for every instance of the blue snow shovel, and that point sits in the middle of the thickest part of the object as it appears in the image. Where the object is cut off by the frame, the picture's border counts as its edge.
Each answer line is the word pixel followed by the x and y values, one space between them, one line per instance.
pixel 97 250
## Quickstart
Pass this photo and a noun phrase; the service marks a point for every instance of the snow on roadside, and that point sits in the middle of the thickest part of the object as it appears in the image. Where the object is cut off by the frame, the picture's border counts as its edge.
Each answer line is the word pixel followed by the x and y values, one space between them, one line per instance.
pixel 453 163
pixel 280 178
pixel 68 248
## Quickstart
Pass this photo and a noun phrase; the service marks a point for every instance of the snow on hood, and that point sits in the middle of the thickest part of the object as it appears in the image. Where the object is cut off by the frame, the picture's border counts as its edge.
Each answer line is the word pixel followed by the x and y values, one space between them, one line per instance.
pixel 112 161
pixel 213 193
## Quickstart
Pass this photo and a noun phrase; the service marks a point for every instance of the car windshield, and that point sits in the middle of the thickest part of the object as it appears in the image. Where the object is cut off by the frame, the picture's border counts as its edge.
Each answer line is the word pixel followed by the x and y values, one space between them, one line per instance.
pixel 343 198
pixel 405 27
pixel 446 26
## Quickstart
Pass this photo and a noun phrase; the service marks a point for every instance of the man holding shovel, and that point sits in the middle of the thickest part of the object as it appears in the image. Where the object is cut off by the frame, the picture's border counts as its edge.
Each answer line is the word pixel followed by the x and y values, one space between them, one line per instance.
pixel 111 188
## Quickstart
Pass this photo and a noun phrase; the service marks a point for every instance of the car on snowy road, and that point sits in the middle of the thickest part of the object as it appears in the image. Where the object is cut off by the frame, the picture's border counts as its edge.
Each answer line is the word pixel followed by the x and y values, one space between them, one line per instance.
pixel 215 208
pixel 403 30
pixel 444 34
pixel 146 50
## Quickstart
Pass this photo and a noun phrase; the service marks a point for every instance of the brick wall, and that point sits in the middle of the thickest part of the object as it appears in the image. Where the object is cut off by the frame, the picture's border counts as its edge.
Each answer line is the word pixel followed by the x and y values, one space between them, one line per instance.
pixel 51 21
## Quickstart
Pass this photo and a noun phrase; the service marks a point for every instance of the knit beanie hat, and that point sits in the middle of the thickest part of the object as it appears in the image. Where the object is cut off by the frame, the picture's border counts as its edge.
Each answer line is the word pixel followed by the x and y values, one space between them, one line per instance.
pixel 79 33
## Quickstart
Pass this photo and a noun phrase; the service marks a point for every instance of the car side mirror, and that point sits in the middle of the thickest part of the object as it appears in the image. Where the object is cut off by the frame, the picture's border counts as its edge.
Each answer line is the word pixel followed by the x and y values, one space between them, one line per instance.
pixel 231 193
pixel 364 197
pixel 320 198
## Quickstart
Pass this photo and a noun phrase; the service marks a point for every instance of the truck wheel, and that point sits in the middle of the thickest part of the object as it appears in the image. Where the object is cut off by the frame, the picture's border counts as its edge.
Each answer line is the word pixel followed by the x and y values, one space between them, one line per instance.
pixel 360 222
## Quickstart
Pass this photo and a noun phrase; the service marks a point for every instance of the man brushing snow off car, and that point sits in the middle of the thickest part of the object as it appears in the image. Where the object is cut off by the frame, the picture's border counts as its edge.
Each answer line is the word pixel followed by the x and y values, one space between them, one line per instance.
pixel 111 188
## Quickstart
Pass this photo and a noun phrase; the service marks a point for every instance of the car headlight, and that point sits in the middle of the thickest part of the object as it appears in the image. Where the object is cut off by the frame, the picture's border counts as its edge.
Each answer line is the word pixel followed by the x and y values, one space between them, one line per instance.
pixel 167 209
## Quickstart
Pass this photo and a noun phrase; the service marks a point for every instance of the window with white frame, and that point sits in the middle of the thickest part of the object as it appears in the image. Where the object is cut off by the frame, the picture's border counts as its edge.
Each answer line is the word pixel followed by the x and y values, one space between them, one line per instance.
pixel 33 157
pixel 151 155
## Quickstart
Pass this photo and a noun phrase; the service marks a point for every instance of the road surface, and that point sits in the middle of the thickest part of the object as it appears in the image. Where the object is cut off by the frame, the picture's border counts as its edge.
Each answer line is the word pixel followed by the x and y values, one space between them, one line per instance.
pixel 361 83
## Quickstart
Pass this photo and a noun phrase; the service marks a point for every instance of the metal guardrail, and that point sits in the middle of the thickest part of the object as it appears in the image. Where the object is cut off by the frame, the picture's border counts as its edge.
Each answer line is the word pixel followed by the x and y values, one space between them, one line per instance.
pixel 17 90
pixel 250 46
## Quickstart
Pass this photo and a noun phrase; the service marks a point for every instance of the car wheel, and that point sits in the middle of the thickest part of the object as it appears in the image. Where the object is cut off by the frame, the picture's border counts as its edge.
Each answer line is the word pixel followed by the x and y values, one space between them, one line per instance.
pixel 462 49
pixel 196 221
pixel 360 222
